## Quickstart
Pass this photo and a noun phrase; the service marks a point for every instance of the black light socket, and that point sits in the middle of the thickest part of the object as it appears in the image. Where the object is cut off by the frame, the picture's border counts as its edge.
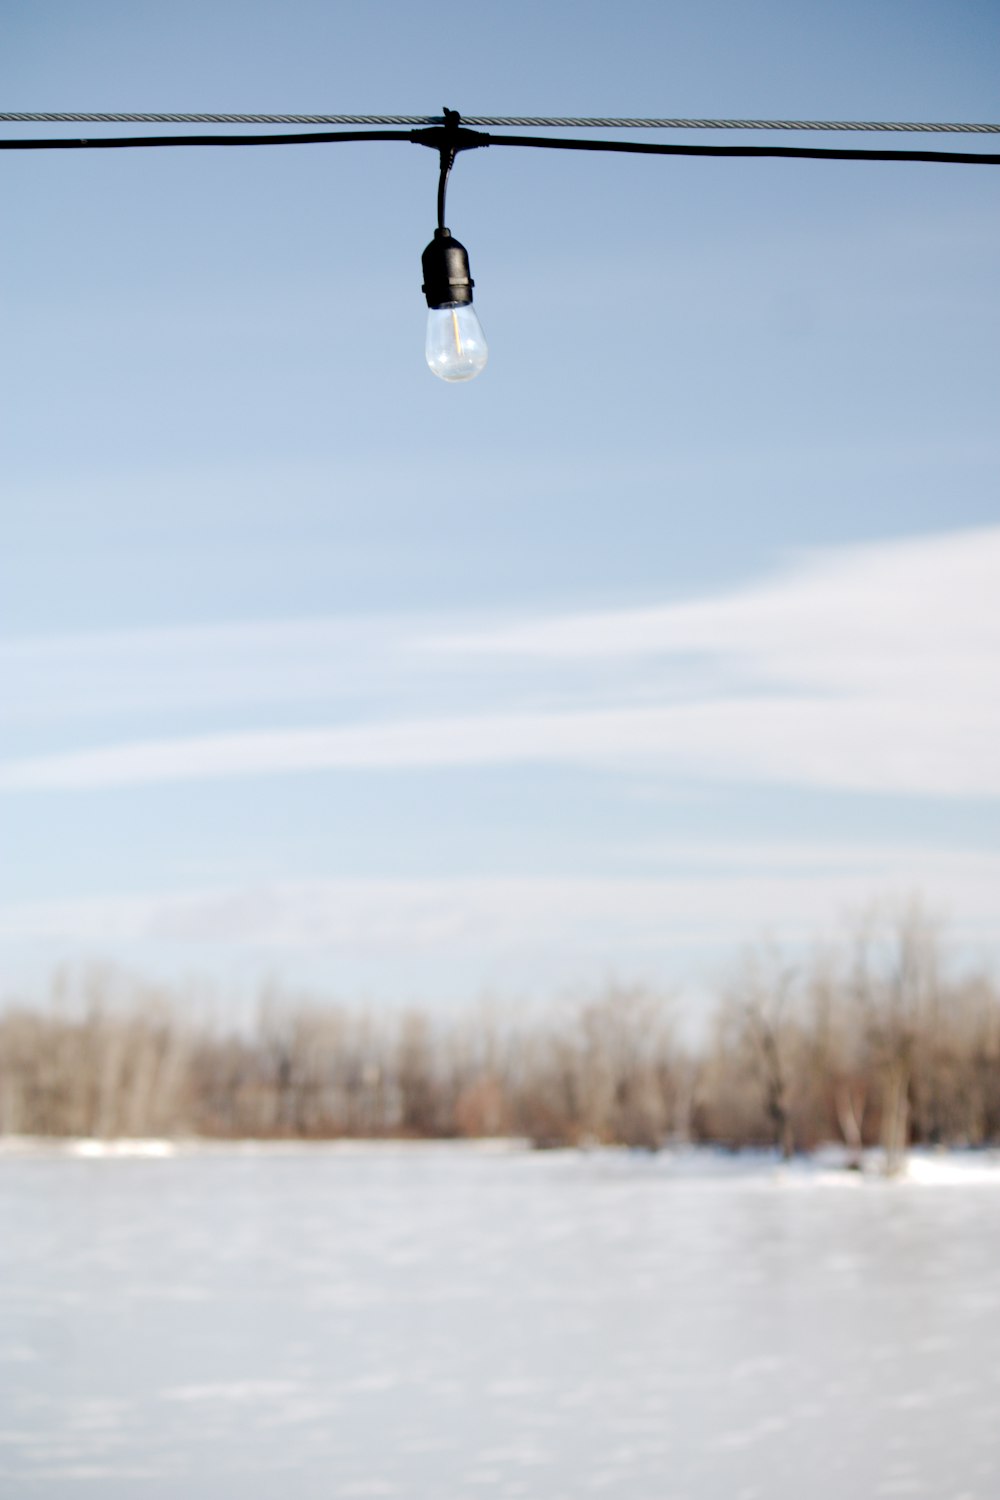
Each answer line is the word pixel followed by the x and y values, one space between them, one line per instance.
pixel 447 279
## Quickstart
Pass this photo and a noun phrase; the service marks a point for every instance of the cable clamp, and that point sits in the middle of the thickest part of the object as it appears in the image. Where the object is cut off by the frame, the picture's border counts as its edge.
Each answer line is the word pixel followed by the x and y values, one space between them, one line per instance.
pixel 451 136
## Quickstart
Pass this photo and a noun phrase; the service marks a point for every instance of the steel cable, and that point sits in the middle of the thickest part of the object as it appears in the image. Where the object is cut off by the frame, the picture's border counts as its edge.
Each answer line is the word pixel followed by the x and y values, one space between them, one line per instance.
pixel 582 122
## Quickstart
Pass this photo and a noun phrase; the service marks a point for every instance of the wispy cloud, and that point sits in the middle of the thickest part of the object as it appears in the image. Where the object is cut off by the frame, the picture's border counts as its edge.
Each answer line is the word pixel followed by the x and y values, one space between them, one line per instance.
pixel 255 663
pixel 870 668
pixel 851 618
pixel 728 895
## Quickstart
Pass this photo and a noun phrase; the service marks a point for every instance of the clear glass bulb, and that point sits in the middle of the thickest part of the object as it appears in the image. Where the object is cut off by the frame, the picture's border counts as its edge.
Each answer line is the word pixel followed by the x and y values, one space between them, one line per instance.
pixel 456 345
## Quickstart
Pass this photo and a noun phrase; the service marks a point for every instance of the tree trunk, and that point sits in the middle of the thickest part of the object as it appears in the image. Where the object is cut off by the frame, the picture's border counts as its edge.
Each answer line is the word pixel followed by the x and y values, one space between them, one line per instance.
pixel 895 1117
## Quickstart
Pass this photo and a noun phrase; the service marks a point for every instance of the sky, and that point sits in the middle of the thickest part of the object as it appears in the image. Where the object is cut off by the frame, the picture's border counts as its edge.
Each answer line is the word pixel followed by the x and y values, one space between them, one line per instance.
pixel 677 630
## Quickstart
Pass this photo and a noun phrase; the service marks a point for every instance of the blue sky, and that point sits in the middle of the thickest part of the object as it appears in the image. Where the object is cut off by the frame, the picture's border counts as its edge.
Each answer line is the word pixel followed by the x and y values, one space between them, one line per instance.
pixel 676 628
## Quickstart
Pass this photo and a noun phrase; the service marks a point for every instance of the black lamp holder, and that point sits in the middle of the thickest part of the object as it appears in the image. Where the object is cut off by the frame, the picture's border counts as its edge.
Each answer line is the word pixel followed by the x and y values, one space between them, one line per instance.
pixel 447 279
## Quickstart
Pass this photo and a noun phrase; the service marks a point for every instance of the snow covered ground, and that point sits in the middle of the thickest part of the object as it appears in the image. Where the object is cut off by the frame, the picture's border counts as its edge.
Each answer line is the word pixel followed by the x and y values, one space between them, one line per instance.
pixel 420 1321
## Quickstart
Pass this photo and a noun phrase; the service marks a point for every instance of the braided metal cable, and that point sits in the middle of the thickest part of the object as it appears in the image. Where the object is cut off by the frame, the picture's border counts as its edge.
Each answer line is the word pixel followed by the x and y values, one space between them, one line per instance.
pixel 214 119
pixel 594 122
pixel 599 124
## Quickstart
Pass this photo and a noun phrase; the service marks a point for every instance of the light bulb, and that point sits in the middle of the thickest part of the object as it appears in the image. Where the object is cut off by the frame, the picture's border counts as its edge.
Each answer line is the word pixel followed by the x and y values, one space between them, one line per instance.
pixel 456 345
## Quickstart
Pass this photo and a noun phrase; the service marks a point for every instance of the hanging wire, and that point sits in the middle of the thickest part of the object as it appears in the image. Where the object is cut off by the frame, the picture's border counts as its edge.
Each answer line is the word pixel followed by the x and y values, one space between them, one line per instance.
pixel 436 137
pixel 137 142
pixel 447 162
pixel 580 122
pixel 802 153
pixel 448 154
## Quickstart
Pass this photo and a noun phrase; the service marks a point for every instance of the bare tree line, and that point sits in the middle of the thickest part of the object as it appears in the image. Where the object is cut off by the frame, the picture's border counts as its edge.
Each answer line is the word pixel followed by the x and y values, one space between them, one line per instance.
pixel 869 1042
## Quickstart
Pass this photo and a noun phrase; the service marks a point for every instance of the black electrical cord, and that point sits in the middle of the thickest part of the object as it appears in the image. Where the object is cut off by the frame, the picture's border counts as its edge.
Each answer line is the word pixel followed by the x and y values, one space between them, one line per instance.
pixel 810 153
pixel 447 162
pixel 135 142
pixel 449 149
pixel 452 139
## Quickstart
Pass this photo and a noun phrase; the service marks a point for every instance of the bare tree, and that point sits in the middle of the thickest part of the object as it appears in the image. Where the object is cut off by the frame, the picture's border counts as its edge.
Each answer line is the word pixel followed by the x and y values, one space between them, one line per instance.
pixel 896 985
pixel 871 1041
pixel 756 1023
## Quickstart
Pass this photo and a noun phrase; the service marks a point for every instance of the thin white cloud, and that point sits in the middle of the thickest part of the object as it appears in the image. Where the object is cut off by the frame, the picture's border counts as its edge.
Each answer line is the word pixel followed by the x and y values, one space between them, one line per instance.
pixel 855 618
pixel 899 746
pixel 733 893
pixel 871 669
pixel 201 667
